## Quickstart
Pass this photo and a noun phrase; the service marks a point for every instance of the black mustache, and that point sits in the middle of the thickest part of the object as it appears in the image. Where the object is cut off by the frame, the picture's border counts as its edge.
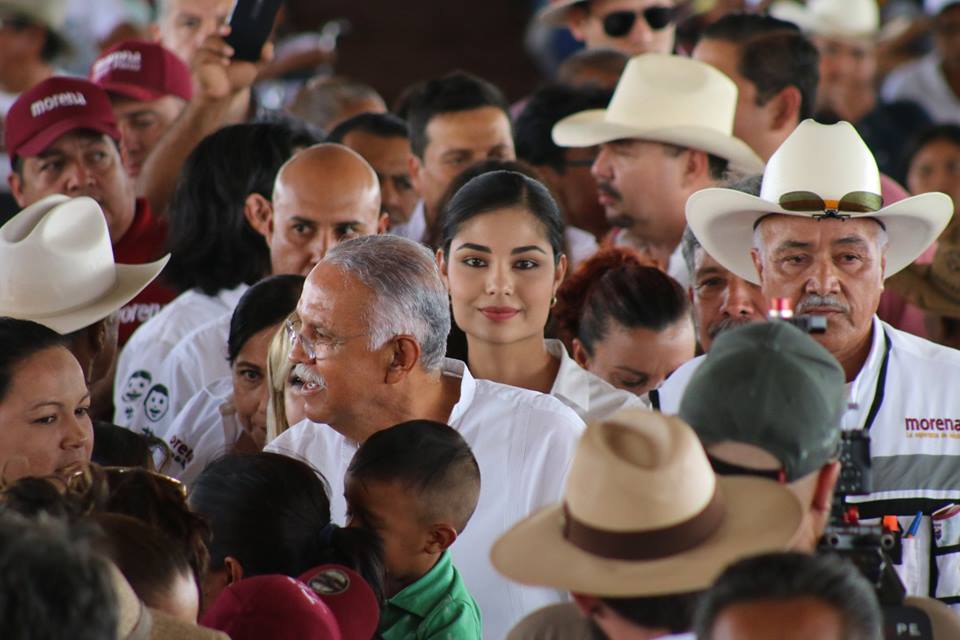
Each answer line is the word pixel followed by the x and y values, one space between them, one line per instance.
pixel 610 191
pixel 730 322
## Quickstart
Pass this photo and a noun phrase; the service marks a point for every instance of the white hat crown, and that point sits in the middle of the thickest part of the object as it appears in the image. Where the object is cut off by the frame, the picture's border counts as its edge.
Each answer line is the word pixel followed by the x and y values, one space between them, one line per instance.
pixel 840 18
pixel 828 160
pixel 55 256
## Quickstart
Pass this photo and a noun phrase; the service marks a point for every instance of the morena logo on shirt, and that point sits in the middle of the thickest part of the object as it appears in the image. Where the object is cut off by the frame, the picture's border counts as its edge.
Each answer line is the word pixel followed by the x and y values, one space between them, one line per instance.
pixel 57 100
pixel 932 427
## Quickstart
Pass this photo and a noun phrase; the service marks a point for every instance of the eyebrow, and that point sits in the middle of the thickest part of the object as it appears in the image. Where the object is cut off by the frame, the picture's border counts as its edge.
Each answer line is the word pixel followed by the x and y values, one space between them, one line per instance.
pixel 247 363
pixel 849 240
pixel 703 271
pixel 633 371
pixel 54 403
pixel 484 249
pixel 794 244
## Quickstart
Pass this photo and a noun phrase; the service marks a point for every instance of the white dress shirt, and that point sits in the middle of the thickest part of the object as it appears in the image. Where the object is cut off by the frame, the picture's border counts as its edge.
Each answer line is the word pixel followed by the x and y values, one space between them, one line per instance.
pixel 140 397
pixel 523 441
pixel 923 82
pixel 589 395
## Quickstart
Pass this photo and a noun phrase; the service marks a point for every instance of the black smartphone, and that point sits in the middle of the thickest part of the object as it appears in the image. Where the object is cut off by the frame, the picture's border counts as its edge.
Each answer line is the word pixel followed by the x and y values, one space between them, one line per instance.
pixel 251 22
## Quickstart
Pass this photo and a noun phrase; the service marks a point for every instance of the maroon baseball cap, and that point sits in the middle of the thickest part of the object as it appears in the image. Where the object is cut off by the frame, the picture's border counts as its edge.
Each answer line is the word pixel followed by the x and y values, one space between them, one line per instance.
pixel 53 108
pixel 143 71
pixel 272 606
pixel 349 597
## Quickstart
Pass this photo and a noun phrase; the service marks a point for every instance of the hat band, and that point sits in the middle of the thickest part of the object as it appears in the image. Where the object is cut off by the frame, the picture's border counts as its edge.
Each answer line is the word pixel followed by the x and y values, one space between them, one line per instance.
pixel 650 544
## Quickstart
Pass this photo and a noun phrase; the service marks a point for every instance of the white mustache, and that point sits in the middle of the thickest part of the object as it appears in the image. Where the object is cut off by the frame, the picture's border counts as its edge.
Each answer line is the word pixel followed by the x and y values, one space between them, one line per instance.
pixel 814 301
pixel 309 376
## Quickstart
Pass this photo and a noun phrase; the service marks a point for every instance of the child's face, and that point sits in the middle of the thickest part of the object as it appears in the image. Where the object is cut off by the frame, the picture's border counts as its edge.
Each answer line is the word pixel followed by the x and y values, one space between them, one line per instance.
pixel 393 512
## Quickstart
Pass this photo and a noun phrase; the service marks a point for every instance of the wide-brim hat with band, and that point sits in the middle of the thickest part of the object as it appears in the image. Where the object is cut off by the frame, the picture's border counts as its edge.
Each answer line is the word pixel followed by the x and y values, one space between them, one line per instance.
pixel 821 171
pixel 670 99
pixel 51 14
pixel 644 514
pixel 858 19
pixel 933 287
pixel 57 267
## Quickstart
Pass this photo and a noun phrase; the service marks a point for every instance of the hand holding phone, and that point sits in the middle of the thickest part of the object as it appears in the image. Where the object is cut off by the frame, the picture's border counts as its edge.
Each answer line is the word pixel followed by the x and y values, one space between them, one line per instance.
pixel 251 22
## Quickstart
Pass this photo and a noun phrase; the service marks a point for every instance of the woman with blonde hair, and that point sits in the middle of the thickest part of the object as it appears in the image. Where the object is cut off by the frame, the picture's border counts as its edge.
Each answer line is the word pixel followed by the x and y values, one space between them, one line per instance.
pixel 284 407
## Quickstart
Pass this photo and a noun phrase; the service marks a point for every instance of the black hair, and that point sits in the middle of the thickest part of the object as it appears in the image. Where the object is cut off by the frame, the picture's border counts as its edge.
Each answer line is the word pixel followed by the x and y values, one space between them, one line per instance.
pixel 431 460
pixel 455 92
pixel 263 305
pixel 779 576
pixel 533 128
pixel 213 246
pixel 149 559
pixel 500 189
pixel 382 125
pixel 615 287
pixel 946 132
pixel 115 446
pixel 674 612
pixel 53 584
pixel 20 339
pixel 774 54
pixel 272 513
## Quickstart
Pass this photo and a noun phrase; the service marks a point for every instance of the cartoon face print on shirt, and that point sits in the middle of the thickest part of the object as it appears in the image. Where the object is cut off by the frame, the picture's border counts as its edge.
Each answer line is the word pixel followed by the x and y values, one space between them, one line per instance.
pixel 157 402
pixel 137 384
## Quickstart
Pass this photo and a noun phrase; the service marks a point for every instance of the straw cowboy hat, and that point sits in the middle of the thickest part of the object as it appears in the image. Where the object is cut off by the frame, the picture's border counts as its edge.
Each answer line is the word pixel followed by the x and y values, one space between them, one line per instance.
pixel 820 171
pixel 644 514
pixel 57 268
pixel 670 99
pixel 832 18
pixel 933 287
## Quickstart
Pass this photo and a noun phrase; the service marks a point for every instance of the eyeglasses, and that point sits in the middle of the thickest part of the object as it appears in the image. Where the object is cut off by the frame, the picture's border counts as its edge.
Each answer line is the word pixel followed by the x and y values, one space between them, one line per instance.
pixel 617 24
pixel 853 202
pixel 317 347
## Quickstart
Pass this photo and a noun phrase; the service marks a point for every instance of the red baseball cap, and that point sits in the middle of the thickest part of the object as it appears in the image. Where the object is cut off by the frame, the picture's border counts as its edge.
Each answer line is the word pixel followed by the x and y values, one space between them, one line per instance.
pixel 276 607
pixel 53 108
pixel 348 596
pixel 143 71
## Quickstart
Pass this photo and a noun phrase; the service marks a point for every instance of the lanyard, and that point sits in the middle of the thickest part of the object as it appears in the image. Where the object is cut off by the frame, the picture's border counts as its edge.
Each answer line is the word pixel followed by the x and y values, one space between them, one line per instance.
pixel 881 384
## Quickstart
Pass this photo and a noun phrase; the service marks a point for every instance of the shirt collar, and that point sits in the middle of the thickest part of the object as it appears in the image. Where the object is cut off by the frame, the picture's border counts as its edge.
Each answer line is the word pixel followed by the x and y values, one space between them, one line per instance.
pixel 864 384
pixel 468 387
pixel 422 597
pixel 569 382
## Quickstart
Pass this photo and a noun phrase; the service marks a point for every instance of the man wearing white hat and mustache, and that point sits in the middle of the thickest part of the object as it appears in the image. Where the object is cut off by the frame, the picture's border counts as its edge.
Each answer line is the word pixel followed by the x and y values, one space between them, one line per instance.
pixel 666 133
pixel 819 236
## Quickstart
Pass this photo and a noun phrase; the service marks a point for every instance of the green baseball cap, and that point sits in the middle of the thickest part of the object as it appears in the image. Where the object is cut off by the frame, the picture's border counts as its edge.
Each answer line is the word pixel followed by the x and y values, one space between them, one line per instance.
pixel 772 386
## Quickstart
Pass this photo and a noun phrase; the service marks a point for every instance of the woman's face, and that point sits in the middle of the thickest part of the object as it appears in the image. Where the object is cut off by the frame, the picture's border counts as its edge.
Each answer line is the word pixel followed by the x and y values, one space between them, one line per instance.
pixel 638 360
pixel 250 391
pixel 501 276
pixel 936 167
pixel 45 423
pixel 292 400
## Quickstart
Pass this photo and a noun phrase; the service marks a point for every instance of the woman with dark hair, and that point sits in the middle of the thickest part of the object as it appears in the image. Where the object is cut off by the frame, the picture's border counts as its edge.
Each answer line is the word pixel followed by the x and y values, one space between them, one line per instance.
pixel 45 426
pixel 625 320
pixel 270 514
pixel 230 413
pixel 216 254
pixel 933 164
pixel 502 260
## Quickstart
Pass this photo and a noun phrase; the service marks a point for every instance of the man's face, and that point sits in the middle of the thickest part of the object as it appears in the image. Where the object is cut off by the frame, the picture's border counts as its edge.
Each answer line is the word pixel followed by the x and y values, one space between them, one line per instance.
pixel 184 25
pixel 80 163
pixel 141 125
pixel 639 185
pixel 848 67
pixel 390 158
pixel 721 300
pixel 587 26
pixel 782 618
pixel 946 29
pixel 456 141
pixel 20 43
pixel 832 268
pixel 342 382
pixel 578 190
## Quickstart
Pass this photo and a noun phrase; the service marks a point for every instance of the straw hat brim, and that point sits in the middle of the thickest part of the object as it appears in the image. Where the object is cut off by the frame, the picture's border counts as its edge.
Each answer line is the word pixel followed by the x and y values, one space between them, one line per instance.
pixel 723 221
pixel 591 127
pixel 809 22
pixel 131 279
pixel 761 516
pixel 914 284
pixel 555 14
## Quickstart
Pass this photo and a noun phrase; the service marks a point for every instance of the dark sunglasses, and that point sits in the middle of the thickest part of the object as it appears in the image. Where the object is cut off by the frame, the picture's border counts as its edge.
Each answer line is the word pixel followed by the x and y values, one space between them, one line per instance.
pixel 619 23
pixel 853 202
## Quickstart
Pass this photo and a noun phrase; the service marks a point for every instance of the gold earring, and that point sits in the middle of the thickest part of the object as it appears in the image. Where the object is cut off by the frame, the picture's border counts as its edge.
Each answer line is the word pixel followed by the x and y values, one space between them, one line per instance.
pixel 553 301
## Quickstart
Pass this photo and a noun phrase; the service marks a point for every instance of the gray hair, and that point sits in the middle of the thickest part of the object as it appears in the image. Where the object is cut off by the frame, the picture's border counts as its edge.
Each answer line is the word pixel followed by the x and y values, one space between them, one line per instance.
pixel 409 295
pixel 689 244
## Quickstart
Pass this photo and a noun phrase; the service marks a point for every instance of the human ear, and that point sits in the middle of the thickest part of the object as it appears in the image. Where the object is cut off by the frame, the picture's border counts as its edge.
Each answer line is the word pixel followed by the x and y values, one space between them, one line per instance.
pixel 383 223
pixel 757 262
pixel 404 356
pixel 575 18
pixel 786 104
pixel 233 570
pixel 441 536
pixel 580 354
pixel 442 266
pixel 16 188
pixel 561 273
pixel 414 167
pixel 259 214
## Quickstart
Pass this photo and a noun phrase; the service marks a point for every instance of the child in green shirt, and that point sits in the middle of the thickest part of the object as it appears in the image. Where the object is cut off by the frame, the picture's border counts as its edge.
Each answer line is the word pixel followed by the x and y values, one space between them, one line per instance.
pixel 416 485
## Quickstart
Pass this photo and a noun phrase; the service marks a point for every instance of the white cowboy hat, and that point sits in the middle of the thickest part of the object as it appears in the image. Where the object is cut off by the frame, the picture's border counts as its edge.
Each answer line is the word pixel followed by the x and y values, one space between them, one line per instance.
pixel 51 14
pixel 832 18
pixel 57 268
pixel 644 514
pixel 670 99
pixel 555 13
pixel 830 161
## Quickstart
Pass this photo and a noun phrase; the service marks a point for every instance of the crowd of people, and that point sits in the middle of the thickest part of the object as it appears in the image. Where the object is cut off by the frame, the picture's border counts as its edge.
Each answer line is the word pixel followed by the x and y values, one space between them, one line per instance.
pixel 664 349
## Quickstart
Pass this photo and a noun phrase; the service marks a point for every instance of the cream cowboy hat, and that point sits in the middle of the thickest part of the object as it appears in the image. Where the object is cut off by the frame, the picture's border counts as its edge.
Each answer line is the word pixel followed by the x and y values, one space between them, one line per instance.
pixel 670 99
pixel 828 162
pixel 832 18
pixel 57 268
pixel 51 14
pixel 644 514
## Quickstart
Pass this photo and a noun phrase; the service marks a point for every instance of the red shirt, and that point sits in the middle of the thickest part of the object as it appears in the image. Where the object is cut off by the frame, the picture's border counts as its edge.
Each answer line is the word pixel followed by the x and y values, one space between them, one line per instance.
pixel 143 242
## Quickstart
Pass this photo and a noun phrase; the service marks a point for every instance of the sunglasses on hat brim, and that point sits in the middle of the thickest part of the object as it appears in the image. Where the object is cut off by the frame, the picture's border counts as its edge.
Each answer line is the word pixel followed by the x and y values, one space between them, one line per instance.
pixel 618 24
pixel 853 202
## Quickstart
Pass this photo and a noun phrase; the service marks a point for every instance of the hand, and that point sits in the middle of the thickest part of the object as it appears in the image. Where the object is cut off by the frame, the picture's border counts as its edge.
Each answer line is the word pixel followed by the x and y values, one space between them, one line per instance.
pixel 217 75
